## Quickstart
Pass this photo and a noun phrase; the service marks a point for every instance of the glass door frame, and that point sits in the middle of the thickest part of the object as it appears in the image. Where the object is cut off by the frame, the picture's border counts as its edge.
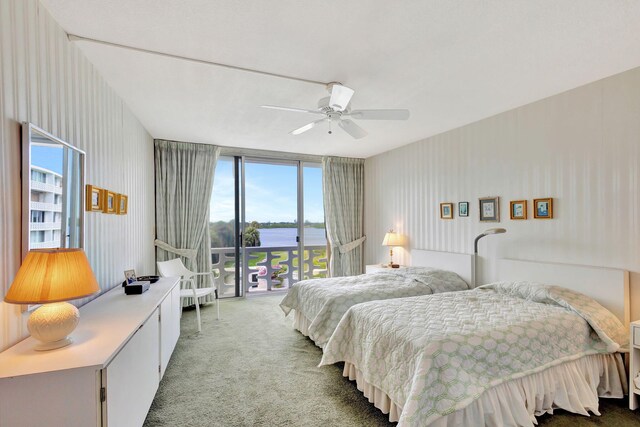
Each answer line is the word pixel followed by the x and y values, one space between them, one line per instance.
pixel 242 271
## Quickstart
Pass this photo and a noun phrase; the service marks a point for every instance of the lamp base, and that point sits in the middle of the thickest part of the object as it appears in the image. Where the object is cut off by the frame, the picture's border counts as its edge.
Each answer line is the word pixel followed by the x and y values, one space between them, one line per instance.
pixel 46 346
pixel 52 323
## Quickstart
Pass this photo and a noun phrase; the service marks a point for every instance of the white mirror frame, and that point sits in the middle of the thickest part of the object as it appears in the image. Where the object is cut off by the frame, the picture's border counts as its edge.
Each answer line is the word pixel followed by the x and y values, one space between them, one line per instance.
pixel 28 129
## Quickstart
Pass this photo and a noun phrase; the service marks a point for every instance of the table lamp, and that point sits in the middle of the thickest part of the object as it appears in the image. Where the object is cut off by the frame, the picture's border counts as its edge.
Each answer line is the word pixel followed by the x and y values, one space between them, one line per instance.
pixel 392 239
pixel 50 277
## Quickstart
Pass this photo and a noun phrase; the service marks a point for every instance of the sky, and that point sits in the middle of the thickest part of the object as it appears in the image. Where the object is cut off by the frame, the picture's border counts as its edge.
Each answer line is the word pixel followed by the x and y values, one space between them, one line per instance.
pixel 48 157
pixel 271 192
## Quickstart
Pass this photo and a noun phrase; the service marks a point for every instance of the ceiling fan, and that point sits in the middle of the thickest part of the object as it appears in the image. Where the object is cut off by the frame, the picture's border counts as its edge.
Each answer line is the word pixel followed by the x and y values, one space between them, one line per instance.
pixel 337 108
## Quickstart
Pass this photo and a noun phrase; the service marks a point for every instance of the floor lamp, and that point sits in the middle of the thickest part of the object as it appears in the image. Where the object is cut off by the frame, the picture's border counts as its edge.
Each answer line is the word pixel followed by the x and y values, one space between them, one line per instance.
pixel 475 250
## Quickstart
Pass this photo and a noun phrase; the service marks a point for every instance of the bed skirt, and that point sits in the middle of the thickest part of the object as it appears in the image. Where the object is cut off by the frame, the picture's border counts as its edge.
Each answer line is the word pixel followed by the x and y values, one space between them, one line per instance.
pixel 573 386
pixel 301 323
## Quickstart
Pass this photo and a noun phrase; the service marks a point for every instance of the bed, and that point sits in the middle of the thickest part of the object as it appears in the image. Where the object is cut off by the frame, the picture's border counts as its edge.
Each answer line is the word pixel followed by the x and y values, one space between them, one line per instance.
pixel 319 304
pixel 497 355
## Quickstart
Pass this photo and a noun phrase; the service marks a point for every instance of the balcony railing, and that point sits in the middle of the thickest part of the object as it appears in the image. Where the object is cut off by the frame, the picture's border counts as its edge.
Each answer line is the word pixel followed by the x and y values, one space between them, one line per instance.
pixel 270 268
pixel 42 186
pixel 35 226
pixel 44 245
pixel 42 206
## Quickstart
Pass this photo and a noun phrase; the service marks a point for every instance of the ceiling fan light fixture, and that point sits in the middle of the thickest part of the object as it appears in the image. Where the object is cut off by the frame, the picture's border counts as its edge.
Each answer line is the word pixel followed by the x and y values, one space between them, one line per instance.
pixel 340 97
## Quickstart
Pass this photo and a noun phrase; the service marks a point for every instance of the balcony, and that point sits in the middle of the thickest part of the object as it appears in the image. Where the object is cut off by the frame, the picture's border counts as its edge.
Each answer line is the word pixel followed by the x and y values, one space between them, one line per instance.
pixel 36 226
pixel 49 207
pixel 44 187
pixel 44 245
pixel 270 268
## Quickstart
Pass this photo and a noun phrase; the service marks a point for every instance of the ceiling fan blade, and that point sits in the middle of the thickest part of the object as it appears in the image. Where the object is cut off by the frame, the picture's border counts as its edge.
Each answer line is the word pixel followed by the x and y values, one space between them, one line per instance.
pixel 295 110
pixel 352 129
pixel 307 127
pixel 379 114
pixel 340 97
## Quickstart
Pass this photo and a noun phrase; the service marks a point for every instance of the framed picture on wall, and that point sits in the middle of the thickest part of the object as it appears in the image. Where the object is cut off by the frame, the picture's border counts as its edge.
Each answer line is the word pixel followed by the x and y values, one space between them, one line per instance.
pixel 446 210
pixel 489 209
pixel 122 204
pixel 93 198
pixel 543 208
pixel 109 204
pixel 518 209
pixel 463 208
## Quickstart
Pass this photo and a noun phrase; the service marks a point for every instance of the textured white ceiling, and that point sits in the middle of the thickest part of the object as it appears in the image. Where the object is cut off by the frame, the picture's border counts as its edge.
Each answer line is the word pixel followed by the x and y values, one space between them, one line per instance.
pixel 449 62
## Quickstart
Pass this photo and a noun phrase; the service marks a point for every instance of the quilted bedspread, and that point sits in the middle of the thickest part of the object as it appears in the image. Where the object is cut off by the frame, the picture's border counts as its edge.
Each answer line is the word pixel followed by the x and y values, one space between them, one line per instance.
pixel 324 301
pixel 435 355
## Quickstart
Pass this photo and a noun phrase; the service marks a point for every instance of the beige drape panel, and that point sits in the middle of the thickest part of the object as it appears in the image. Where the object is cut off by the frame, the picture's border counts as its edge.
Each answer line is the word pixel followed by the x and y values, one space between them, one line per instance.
pixel 184 180
pixel 343 189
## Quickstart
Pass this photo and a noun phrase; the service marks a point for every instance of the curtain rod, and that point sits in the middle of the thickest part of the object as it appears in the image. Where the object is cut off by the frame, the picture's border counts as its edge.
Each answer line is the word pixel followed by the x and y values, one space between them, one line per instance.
pixel 74 37
pixel 268 154
pixel 256 153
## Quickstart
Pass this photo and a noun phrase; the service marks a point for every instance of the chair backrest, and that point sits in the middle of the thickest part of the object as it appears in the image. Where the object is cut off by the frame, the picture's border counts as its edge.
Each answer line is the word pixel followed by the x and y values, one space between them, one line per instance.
pixel 173 267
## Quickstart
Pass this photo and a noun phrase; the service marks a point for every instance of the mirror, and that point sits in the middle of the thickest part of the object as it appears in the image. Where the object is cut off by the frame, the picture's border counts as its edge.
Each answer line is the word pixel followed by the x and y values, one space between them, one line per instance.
pixel 52 191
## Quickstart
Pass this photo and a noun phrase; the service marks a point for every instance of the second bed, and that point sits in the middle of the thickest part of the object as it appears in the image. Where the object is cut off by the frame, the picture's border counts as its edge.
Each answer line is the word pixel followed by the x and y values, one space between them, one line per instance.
pixel 319 304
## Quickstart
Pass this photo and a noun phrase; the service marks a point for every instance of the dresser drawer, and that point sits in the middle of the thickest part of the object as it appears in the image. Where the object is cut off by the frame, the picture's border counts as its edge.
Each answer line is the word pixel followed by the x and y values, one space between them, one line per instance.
pixel 636 335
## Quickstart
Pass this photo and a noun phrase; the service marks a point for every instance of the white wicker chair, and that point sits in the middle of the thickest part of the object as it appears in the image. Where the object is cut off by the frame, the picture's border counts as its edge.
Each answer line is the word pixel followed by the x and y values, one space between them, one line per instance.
pixel 188 288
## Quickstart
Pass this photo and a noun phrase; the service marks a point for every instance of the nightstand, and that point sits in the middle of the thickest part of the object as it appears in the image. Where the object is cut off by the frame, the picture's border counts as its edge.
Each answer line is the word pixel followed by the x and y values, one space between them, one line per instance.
pixel 372 268
pixel 634 363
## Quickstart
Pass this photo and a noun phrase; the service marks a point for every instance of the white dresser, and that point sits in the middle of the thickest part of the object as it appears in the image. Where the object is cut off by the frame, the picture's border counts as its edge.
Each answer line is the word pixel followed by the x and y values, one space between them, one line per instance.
pixel 110 373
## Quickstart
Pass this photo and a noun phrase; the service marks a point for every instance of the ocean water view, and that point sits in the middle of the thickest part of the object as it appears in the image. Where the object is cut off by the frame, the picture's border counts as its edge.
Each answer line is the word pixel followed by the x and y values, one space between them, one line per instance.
pixel 273 237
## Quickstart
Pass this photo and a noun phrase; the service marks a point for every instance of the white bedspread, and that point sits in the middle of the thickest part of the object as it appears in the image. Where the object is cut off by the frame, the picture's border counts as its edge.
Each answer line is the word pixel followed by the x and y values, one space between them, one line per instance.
pixel 324 301
pixel 435 355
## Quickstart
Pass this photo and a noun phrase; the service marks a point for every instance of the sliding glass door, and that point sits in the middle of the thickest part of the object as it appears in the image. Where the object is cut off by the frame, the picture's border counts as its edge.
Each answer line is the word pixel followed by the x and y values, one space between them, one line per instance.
pixel 266 224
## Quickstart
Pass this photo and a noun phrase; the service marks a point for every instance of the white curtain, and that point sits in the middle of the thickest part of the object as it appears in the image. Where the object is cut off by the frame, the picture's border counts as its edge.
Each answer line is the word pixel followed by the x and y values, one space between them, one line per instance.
pixel 343 188
pixel 184 180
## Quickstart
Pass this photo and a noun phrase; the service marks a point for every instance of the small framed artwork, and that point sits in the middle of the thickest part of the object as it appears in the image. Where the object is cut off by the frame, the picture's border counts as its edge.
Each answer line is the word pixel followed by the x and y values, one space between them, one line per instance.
pixel 122 204
pixel 518 209
pixel 109 202
pixel 463 208
pixel 543 208
pixel 130 276
pixel 446 210
pixel 93 199
pixel 490 209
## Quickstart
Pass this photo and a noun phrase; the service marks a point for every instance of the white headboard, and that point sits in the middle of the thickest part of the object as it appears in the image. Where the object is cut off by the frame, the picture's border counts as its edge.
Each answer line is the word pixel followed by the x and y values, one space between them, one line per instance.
pixel 462 264
pixel 608 286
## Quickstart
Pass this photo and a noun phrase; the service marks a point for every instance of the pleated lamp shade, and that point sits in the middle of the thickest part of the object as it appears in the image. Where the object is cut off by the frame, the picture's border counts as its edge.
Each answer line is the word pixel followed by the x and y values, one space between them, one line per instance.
pixel 52 275
pixel 392 239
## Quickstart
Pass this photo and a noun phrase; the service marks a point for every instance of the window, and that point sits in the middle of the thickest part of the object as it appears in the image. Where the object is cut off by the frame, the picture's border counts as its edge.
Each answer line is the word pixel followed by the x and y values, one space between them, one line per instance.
pixel 37 216
pixel 37 236
pixel 38 176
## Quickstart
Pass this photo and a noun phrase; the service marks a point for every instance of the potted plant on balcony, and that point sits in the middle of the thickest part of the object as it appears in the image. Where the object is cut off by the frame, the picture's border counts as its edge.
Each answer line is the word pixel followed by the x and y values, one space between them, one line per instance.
pixel 277 280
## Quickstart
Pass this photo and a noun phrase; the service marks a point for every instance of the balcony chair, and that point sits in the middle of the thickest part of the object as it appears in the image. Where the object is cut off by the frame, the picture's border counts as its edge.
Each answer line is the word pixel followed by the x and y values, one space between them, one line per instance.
pixel 188 288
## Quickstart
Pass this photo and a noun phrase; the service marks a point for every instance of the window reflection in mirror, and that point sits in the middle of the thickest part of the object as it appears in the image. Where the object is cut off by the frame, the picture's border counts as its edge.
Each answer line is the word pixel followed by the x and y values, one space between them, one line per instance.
pixel 54 213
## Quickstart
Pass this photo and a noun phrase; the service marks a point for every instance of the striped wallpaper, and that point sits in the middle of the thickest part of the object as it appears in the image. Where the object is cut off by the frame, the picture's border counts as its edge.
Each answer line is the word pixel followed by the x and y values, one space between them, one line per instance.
pixel 581 147
pixel 46 80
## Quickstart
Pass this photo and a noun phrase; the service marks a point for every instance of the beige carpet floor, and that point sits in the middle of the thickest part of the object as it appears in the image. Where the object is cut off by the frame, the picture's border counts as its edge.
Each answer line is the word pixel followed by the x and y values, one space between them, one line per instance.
pixel 251 368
